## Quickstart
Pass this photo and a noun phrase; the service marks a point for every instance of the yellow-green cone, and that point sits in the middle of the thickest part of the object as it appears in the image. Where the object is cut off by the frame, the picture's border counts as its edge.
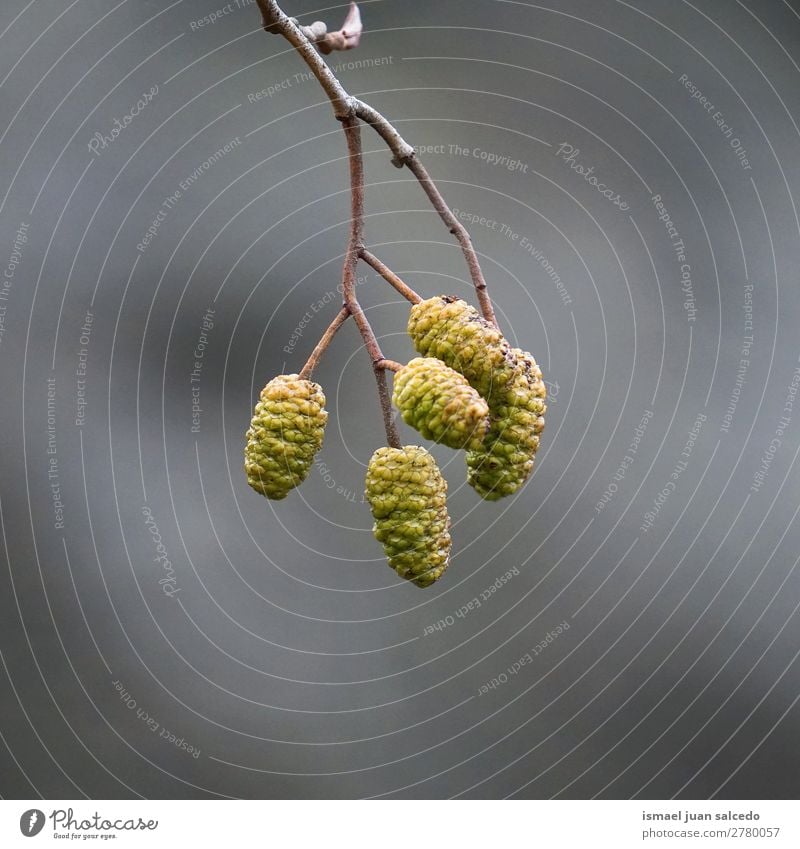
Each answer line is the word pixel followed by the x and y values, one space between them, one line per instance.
pixel 535 381
pixel 439 403
pixel 285 434
pixel 407 495
pixel 451 330
pixel 505 460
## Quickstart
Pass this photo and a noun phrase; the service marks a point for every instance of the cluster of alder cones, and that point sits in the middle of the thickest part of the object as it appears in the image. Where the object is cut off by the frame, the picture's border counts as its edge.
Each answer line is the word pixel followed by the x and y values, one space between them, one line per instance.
pixel 469 390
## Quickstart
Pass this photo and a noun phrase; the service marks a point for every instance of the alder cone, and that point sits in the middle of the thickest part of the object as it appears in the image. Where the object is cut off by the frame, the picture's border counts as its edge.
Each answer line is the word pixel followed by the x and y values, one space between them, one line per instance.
pixel 438 402
pixel 451 330
pixel 407 495
pixel 285 434
pixel 505 459
pixel 533 376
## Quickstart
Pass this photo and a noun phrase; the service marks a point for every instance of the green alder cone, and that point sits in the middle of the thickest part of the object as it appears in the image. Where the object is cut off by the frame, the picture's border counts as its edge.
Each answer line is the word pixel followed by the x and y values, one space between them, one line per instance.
pixel 505 460
pixel 285 434
pixel 439 403
pixel 533 376
pixel 451 330
pixel 407 495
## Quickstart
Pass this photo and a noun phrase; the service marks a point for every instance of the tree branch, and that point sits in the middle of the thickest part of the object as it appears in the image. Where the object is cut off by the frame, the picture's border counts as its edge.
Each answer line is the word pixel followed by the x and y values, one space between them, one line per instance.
pixel 392 435
pixel 277 22
pixel 390 277
pixel 322 345
pixel 344 105
pixel 352 132
pixel 390 365
pixel 401 149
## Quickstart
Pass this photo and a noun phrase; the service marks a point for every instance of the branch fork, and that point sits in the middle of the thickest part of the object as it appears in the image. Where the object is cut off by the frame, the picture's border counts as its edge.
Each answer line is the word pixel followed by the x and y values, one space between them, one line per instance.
pixel 310 41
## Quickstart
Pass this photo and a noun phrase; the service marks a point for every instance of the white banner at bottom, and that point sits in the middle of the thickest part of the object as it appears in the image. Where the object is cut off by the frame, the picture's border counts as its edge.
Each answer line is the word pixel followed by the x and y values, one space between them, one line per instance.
pixel 394 824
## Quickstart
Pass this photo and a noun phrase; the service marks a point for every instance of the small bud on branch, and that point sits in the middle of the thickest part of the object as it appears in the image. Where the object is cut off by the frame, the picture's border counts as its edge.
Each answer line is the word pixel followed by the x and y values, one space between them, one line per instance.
pixel 317 33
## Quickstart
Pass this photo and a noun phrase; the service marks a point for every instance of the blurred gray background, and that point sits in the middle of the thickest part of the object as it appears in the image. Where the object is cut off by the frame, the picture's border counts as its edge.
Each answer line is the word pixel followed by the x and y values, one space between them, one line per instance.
pixel 167 633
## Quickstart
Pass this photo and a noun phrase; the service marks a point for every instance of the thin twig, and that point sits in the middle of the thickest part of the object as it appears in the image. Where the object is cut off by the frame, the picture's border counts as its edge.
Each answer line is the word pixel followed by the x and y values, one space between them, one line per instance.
pixel 352 132
pixel 367 334
pixel 322 345
pixel 390 365
pixel 401 149
pixel 404 155
pixel 461 234
pixel 392 435
pixel 390 277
